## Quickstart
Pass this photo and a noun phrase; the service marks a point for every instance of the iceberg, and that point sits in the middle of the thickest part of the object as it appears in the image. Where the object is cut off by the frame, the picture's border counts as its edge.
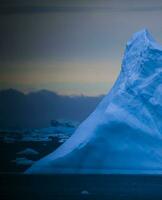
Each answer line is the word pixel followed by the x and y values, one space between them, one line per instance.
pixel 28 152
pixel 124 133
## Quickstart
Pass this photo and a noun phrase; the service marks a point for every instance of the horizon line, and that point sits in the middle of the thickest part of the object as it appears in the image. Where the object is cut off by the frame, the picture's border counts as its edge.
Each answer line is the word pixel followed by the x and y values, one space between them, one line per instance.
pixel 50 91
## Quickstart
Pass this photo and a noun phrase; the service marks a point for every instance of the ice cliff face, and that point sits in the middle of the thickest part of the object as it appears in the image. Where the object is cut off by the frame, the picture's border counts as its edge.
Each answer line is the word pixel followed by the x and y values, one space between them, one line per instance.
pixel 124 133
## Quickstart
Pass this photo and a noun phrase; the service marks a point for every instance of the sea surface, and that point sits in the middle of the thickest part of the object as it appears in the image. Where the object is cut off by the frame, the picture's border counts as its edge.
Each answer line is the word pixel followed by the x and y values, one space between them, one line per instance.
pixel 53 187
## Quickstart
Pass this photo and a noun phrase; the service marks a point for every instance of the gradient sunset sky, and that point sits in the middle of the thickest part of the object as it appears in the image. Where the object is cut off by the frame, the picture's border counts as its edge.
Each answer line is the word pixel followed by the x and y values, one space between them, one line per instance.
pixel 71 47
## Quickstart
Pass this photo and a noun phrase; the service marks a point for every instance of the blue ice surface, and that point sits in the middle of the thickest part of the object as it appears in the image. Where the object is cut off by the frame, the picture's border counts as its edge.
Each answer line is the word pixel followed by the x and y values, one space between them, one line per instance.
pixel 124 133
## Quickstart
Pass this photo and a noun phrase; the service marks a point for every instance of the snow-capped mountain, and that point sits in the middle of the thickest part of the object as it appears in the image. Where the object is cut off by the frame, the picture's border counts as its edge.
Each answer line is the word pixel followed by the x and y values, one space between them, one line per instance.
pixel 124 133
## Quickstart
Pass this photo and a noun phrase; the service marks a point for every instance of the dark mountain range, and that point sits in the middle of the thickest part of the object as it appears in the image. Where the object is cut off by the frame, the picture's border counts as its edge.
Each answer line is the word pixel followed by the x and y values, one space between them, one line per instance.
pixel 37 109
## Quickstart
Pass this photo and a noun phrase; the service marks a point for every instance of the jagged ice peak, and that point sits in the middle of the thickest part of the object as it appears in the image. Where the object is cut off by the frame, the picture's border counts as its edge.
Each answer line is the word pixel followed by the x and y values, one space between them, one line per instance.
pixel 124 133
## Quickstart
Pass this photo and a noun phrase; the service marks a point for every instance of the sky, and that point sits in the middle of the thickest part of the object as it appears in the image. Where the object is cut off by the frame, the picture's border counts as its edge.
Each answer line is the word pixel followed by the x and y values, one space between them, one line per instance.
pixel 70 47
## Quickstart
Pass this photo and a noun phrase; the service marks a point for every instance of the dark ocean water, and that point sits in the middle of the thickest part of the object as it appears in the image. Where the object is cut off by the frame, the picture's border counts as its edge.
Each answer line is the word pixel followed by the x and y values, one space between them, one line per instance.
pixel 53 187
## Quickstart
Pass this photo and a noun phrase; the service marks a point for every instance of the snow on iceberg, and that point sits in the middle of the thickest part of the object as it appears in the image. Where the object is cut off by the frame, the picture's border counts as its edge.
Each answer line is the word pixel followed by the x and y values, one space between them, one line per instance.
pixel 124 133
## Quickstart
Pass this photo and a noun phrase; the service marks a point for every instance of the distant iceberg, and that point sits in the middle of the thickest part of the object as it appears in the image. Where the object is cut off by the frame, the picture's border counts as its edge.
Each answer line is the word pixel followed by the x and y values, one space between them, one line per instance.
pixel 124 133
pixel 28 152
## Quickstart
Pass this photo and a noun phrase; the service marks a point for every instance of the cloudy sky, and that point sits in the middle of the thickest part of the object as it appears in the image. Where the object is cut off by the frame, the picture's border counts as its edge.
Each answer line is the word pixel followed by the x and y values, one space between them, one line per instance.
pixel 71 47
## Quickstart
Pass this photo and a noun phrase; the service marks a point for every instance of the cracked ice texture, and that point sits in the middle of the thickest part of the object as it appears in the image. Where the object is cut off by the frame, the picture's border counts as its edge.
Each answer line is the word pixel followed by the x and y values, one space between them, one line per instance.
pixel 124 133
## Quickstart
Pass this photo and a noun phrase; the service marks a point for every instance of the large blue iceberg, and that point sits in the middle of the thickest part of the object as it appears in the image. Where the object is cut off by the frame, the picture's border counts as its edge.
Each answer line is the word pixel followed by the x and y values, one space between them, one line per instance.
pixel 124 133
